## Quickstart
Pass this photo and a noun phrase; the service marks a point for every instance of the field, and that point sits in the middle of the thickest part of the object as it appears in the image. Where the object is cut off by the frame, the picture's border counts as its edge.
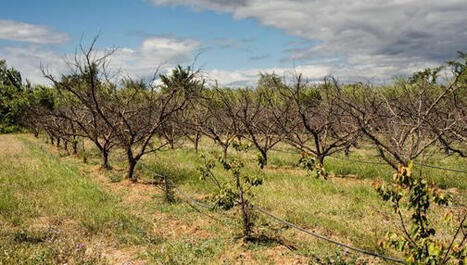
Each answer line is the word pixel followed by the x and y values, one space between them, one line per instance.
pixel 55 209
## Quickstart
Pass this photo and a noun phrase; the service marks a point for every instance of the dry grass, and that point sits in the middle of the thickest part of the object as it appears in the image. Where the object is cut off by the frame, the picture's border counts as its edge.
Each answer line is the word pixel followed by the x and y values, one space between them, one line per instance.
pixel 154 232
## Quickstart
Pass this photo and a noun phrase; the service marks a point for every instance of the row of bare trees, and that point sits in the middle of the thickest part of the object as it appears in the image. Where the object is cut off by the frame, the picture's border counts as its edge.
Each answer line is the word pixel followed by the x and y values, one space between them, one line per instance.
pixel 129 114
pixel 402 120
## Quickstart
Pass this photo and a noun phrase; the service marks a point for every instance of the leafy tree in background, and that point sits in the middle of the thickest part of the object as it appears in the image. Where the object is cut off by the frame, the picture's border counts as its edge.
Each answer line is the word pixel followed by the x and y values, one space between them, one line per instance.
pixel 12 100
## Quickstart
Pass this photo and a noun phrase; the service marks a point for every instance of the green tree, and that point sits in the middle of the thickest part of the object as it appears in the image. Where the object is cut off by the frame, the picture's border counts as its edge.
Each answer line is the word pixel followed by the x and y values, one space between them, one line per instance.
pixel 12 100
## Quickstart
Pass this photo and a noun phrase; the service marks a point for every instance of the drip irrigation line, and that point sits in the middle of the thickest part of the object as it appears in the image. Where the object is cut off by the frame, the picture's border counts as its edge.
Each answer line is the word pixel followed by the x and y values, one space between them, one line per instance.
pixel 417 163
pixel 443 168
pixel 359 161
pixel 187 198
pixel 366 252
pixel 382 163
pixel 190 201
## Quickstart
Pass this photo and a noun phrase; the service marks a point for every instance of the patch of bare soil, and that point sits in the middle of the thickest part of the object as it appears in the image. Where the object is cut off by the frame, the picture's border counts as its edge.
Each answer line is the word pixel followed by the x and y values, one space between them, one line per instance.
pixel 9 145
pixel 174 228
pixel 122 256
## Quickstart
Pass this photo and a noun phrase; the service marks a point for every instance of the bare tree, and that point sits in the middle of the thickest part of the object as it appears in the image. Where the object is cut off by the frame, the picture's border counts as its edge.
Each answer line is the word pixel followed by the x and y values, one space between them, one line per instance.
pixel 449 118
pixel 310 119
pixel 398 120
pixel 138 111
pixel 82 92
pixel 218 123
pixel 254 113
pixel 189 122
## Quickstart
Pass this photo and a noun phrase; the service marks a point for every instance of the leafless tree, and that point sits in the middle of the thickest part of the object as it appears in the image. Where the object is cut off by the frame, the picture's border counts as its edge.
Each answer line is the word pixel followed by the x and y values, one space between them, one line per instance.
pixel 256 121
pixel 138 111
pixel 398 120
pixel 218 123
pixel 310 119
pixel 82 92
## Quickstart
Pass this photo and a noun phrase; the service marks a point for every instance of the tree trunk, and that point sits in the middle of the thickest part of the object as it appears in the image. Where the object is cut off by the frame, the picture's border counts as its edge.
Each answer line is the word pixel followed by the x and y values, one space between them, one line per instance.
pixel 264 156
pixel 131 166
pixel 75 147
pixel 51 140
pixel 324 173
pixel 197 137
pixel 65 145
pixel 105 160
pixel 131 170
pixel 446 150
pixel 246 220
pixel 244 207
pixel 58 142
pixel 320 159
pixel 245 212
pixel 224 150
pixel 347 150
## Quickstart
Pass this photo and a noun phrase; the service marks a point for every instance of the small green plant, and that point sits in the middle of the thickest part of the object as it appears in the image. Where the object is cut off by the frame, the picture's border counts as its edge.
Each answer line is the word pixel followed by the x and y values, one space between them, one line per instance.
pixel 235 191
pixel 240 147
pixel 312 165
pixel 417 242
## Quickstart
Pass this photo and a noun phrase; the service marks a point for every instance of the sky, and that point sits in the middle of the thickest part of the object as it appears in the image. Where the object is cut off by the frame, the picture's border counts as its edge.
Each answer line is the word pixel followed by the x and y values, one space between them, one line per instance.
pixel 233 41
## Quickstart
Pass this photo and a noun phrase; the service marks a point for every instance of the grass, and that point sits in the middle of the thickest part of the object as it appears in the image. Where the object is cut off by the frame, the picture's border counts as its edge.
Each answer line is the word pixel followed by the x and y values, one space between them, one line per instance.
pixel 43 190
pixel 50 212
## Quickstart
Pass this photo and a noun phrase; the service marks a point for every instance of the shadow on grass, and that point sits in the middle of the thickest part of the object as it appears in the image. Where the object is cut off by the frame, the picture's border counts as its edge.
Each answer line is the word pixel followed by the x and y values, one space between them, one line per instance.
pixel 264 240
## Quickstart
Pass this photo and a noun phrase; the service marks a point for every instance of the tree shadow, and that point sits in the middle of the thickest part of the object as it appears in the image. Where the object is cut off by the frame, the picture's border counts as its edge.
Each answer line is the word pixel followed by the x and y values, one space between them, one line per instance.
pixel 269 241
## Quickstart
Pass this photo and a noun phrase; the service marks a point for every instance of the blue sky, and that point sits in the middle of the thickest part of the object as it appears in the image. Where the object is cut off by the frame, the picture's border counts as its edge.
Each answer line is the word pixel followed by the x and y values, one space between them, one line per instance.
pixel 237 39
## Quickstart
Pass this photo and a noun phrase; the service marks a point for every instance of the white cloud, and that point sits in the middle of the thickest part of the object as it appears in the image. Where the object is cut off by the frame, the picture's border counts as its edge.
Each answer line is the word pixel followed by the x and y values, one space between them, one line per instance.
pixel 249 77
pixel 389 35
pixel 143 61
pixel 154 52
pixel 28 61
pixel 25 32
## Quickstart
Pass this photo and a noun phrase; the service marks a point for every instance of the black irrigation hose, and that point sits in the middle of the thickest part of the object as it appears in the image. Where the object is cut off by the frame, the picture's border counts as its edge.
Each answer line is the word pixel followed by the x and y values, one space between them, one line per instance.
pixel 359 161
pixel 381 163
pixel 417 163
pixel 443 168
pixel 366 252
pixel 191 202
pixel 332 241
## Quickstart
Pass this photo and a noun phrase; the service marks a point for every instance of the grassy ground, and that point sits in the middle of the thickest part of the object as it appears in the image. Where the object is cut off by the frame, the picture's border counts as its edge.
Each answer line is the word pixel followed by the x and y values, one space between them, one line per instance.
pixel 51 213
pixel 55 209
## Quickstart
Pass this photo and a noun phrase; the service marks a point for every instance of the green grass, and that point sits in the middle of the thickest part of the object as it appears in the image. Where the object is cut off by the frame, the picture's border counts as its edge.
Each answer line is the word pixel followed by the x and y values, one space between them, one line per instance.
pixel 40 182
pixel 347 208
pixel 47 208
